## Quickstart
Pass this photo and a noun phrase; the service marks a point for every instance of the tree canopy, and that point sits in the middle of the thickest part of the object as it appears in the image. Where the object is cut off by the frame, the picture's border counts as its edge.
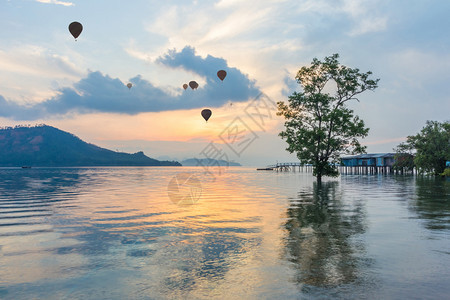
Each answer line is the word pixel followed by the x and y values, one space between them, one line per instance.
pixel 319 126
pixel 431 146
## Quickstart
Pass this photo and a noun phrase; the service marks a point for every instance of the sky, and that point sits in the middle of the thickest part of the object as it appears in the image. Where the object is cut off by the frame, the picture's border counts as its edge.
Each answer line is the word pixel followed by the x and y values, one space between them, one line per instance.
pixel 79 86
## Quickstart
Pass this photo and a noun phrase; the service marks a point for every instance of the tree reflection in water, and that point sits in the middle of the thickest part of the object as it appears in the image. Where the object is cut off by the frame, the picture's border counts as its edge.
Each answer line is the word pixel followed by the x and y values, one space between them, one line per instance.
pixel 322 237
pixel 431 202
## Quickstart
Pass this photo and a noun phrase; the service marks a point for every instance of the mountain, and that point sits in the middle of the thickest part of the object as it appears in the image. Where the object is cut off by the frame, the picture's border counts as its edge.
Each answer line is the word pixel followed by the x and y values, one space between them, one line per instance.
pixel 48 146
pixel 194 162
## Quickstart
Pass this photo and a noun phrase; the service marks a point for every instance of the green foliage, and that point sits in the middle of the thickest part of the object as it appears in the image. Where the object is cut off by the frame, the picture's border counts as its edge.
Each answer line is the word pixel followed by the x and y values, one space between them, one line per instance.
pixel 404 157
pixel 446 172
pixel 432 146
pixel 319 126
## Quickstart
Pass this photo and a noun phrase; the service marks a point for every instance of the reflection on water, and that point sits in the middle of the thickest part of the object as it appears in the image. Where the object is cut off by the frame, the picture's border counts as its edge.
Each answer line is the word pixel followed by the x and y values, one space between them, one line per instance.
pixel 115 233
pixel 322 237
pixel 431 203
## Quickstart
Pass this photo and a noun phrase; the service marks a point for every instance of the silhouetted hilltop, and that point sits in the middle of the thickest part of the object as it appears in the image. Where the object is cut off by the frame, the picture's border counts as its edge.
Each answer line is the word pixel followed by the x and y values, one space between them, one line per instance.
pixel 48 146
pixel 208 162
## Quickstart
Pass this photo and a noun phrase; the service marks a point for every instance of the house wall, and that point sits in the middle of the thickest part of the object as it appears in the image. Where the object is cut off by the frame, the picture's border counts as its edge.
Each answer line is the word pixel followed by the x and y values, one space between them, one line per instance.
pixel 369 161
pixel 349 162
pixel 389 161
pixel 380 162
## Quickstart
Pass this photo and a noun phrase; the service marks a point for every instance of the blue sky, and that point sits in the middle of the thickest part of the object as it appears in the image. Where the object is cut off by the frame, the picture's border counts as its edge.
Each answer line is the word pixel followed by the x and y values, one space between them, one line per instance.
pixel 79 86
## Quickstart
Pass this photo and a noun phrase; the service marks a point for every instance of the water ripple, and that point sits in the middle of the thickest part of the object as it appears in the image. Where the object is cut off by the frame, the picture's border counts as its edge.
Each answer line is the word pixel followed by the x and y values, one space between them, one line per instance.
pixel 115 233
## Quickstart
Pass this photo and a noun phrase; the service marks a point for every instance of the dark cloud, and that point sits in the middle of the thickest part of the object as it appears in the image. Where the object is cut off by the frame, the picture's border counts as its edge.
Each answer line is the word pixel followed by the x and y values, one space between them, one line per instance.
pixel 101 93
pixel 236 86
pixel 12 110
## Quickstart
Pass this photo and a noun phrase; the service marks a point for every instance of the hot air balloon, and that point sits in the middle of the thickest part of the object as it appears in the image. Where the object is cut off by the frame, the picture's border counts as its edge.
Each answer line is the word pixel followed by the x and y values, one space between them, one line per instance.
pixel 193 85
pixel 221 74
pixel 206 114
pixel 185 86
pixel 129 85
pixel 75 29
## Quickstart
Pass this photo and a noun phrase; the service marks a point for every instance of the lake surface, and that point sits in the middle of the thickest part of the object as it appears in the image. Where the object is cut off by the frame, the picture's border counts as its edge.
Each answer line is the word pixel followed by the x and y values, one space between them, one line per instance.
pixel 130 233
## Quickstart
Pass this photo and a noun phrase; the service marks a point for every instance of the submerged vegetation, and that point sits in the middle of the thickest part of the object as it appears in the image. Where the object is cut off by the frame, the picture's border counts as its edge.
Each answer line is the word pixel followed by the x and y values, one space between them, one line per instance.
pixel 319 126
pixel 446 172
pixel 428 151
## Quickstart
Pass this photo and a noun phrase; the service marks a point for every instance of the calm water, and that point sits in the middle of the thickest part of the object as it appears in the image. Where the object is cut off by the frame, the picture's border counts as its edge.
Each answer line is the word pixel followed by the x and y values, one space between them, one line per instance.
pixel 117 233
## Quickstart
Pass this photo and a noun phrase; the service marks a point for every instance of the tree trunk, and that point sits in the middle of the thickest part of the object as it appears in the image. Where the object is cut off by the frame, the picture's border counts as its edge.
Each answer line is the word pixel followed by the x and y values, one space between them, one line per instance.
pixel 319 179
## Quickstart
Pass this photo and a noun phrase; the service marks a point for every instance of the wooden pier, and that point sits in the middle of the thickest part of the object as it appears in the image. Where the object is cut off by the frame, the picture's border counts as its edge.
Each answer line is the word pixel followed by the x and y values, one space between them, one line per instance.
pixel 288 166
pixel 361 170
pixel 343 170
pixel 371 170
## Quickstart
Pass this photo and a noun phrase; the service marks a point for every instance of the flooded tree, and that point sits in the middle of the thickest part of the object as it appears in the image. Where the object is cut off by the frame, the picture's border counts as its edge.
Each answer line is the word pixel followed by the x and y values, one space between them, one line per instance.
pixel 431 146
pixel 319 126
pixel 404 158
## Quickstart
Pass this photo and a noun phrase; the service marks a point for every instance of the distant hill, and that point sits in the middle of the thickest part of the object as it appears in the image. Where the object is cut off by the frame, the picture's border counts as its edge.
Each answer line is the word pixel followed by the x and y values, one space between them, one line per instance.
pixel 193 162
pixel 50 147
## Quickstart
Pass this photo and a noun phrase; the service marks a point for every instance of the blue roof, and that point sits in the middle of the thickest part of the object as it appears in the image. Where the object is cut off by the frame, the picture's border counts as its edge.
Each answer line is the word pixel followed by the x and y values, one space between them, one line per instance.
pixel 370 155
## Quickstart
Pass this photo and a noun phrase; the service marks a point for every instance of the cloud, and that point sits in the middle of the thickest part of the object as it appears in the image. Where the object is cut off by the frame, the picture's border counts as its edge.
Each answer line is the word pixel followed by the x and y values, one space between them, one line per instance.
pixel 100 93
pixel 369 25
pixel 56 2
pixel 385 141
pixel 41 69
pixel 290 85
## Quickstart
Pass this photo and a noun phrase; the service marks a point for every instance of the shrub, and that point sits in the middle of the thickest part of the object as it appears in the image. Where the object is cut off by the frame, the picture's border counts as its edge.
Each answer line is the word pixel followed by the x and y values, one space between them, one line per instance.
pixel 446 172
